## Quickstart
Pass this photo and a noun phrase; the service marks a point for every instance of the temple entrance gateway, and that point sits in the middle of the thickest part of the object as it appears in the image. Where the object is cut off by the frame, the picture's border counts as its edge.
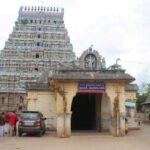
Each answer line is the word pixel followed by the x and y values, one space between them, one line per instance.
pixel 85 94
pixel 86 112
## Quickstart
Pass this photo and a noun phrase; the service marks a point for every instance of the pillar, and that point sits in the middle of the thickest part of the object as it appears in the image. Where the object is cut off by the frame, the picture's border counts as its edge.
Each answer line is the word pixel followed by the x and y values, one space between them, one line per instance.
pixel 60 115
pixel 64 103
pixel 122 110
pixel 63 124
pixel 68 124
pixel 60 125
pixel 115 90
pixel 71 90
pixel 106 113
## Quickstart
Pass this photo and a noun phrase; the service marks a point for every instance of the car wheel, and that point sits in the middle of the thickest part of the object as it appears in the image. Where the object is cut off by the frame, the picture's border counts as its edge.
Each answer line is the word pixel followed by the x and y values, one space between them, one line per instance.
pixel 40 133
pixel 44 132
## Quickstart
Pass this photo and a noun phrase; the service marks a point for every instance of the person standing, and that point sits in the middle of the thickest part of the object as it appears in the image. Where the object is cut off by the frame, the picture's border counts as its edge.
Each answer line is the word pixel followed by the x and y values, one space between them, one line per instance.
pixel 17 124
pixel 15 127
pixel 2 124
pixel 12 123
pixel 6 127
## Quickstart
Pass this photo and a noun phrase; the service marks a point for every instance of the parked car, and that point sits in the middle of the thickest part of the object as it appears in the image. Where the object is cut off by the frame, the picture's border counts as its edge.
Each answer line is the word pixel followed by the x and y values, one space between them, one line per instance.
pixel 31 122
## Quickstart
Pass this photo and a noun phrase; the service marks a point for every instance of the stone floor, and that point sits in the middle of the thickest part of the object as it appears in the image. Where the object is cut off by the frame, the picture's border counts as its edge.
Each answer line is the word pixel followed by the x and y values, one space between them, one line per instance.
pixel 135 140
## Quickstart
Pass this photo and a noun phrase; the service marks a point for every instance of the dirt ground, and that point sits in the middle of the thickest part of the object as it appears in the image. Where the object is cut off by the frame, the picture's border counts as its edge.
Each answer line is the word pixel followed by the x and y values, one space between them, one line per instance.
pixel 135 140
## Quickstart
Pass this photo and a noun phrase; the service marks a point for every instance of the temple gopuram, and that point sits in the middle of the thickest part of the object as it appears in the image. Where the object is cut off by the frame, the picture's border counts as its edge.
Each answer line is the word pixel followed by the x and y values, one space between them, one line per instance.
pixel 38 43
pixel 39 71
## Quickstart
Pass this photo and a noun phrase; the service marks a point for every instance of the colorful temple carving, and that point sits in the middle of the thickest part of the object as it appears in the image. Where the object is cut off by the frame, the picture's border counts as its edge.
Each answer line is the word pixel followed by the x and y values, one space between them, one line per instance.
pixel 38 42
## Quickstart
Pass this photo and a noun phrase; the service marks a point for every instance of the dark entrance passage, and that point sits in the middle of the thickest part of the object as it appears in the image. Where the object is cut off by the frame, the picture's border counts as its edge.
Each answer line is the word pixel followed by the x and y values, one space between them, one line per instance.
pixel 84 112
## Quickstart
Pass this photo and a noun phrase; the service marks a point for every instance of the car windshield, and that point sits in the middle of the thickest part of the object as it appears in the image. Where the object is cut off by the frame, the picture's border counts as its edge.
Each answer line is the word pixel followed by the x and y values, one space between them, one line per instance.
pixel 29 116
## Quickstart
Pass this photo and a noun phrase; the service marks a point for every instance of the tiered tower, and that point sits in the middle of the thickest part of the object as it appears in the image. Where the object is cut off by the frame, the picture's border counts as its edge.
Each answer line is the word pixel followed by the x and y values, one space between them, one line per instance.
pixel 38 42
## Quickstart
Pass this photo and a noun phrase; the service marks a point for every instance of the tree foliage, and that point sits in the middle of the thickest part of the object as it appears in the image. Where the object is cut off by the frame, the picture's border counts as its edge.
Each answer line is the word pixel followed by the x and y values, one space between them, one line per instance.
pixel 142 95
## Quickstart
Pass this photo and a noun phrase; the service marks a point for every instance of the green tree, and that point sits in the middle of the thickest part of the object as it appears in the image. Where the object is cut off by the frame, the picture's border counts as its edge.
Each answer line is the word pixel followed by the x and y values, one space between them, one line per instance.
pixel 142 95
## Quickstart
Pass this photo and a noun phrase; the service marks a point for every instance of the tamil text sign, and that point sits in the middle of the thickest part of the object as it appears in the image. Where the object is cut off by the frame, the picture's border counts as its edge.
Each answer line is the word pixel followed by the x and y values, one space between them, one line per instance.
pixel 91 88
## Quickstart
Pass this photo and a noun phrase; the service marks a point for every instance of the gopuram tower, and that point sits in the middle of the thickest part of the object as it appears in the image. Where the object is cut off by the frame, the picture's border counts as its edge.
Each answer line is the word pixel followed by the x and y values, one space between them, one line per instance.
pixel 38 43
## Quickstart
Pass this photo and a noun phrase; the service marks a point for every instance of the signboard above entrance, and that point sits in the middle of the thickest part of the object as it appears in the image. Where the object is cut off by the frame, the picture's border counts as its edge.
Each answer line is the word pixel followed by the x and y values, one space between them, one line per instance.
pixel 91 88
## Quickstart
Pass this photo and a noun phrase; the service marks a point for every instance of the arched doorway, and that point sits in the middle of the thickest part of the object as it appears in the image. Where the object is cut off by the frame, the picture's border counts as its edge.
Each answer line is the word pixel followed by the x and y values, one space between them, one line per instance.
pixel 86 109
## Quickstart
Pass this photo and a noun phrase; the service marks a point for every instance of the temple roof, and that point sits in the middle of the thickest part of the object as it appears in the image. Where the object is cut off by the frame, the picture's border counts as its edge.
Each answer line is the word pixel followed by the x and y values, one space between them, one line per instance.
pixel 90 75
pixel 147 101
pixel 11 88
pixel 37 86
pixel 131 87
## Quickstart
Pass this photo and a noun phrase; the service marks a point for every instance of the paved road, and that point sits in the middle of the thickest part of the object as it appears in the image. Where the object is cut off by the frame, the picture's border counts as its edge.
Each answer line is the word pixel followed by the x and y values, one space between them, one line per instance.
pixel 136 140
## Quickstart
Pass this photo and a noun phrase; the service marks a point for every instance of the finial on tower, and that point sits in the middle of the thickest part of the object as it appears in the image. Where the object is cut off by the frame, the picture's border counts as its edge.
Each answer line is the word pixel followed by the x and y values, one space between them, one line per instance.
pixel 90 48
pixel 118 59
pixel 21 9
pixel 38 8
pixel 44 8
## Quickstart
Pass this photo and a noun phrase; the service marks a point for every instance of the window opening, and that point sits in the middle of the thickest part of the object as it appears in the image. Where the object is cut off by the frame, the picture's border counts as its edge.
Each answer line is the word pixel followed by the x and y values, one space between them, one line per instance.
pixel 37 55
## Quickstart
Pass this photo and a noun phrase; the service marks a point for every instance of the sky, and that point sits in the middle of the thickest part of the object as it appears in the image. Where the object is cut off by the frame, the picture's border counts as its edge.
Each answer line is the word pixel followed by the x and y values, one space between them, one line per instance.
pixel 115 28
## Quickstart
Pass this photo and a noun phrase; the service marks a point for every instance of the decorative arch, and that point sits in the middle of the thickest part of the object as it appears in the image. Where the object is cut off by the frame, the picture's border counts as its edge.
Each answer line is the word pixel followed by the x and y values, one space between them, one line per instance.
pixel 91 59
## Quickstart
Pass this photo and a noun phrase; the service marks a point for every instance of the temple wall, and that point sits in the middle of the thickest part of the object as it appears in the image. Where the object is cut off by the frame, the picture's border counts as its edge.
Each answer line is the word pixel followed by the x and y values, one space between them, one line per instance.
pixel 45 103
pixel 54 104
pixel 12 101
pixel 131 95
